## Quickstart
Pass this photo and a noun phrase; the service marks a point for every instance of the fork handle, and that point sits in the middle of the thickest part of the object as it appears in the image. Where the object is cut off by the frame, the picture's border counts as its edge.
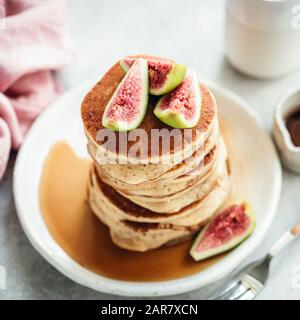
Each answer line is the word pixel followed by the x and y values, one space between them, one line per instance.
pixel 296 229
pixel 285 240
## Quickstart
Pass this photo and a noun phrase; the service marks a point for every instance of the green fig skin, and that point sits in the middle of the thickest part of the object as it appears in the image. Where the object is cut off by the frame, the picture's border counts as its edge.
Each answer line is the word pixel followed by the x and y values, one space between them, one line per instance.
pixel 176 118
pixel 198 256
pixel 174 78
pixel 119 125
pixel 124 66
pixel 173 119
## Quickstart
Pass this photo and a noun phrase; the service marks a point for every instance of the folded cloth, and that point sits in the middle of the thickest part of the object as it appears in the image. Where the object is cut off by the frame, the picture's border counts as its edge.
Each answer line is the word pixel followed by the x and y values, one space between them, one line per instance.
pixel 33 44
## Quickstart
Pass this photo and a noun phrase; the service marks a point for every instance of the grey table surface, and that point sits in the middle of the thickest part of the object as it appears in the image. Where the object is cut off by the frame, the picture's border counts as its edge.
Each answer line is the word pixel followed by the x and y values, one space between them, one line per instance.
pixel 191 32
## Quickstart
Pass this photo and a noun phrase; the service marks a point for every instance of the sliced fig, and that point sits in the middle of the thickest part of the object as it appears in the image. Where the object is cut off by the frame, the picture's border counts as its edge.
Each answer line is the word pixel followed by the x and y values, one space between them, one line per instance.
pixel 164 74
pixel 181 108
pixel 226 230
pixel 127 107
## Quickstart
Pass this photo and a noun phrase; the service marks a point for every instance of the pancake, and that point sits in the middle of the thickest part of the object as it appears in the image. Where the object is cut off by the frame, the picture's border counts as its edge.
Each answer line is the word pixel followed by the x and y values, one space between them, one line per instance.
pixel 179 199
pixel 95 101
pixel 128 238
pixel 92 110
pixel 140 174
pixel 155 196
pixel 136 228
pixel 120 207
pixel 163 186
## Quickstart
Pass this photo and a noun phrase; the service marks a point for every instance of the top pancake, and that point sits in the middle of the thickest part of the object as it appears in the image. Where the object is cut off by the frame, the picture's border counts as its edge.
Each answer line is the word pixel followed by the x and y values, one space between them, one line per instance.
pixel 94 104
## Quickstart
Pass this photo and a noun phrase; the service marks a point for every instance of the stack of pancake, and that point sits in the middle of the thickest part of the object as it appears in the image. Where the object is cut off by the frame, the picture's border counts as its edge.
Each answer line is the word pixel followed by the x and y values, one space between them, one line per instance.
pixel 147 205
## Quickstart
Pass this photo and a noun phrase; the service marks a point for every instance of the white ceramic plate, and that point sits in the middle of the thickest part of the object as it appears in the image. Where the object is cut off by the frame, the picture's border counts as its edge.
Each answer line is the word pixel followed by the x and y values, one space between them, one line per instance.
pixel 62 121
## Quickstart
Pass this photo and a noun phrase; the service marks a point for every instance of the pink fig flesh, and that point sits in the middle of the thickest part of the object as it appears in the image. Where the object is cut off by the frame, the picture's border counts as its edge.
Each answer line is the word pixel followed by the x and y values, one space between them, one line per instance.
pixel 127 107
pixel 226 230
pixel 164 74
pixel 181 108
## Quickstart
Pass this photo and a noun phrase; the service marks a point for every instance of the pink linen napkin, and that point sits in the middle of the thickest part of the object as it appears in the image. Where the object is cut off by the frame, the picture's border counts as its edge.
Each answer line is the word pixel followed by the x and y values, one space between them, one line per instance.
pixel 33 44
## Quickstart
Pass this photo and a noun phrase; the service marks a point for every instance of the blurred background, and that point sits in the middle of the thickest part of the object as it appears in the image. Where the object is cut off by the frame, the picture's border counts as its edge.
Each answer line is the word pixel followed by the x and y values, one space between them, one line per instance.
pixel 190 32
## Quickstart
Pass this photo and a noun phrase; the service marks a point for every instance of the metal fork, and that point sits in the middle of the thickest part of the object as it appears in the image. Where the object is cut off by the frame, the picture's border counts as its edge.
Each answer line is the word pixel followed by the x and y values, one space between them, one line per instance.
pixel 250 281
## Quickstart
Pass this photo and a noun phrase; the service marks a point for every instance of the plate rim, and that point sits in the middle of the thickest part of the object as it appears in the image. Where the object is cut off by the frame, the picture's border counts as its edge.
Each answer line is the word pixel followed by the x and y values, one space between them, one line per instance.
pixel 145 289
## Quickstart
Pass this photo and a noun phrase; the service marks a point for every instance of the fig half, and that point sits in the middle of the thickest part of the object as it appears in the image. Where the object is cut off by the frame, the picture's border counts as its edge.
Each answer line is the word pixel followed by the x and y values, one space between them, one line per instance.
pixel 225 231
pixel 181 108
pixel 164 74
pixel 127 107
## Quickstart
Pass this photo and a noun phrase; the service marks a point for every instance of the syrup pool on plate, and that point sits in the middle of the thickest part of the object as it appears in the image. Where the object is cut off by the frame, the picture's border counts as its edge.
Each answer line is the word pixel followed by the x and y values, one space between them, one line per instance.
pixel 72 224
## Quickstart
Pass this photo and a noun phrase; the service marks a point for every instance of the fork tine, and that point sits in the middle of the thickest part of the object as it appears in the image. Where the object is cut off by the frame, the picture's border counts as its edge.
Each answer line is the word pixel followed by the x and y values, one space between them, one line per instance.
pixel 248 295
pixel 227 291
pixel 242 289
pixel 254 288
pixel 235 291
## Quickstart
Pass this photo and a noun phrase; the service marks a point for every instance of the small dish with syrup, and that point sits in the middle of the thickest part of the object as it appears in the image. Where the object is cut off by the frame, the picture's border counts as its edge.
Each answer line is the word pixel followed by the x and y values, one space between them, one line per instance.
pixel 286 129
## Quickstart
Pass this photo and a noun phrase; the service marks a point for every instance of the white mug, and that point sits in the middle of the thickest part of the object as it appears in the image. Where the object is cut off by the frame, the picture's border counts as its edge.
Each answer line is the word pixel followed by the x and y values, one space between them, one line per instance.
pixel 262 37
